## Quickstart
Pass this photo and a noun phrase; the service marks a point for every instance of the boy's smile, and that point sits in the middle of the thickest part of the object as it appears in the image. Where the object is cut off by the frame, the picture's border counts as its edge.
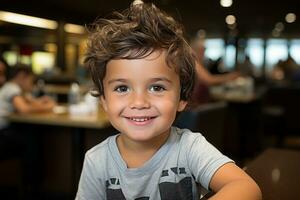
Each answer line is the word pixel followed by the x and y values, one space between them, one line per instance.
pixel 142 97
pixel 140 121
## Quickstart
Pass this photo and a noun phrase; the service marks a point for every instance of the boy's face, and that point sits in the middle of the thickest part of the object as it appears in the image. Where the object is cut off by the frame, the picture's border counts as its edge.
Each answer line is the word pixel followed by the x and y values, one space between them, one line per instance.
pixel 142 96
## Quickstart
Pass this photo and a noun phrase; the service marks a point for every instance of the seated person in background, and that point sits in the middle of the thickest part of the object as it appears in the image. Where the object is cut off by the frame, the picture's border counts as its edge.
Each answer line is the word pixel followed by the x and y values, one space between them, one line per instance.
pixel 144 72
pixel 287 70
pixel 14 141
pixel 3 69
pixel 246 68
pixel 277 71
pixel 204 78
pixel 13 96
pixel 213 79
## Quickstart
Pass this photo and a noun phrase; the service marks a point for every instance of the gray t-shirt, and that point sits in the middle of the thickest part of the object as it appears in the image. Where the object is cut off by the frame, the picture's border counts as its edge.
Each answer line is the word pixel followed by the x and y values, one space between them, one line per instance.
pixel 7 93
pixel 172 173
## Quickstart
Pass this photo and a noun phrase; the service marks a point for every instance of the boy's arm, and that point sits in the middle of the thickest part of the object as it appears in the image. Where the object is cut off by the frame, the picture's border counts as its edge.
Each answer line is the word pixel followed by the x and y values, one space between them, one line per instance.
pixel 23 105
pixel 231 182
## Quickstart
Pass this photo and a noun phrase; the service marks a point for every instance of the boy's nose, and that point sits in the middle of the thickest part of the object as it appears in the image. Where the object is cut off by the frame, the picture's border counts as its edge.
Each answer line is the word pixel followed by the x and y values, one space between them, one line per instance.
pixel 139 101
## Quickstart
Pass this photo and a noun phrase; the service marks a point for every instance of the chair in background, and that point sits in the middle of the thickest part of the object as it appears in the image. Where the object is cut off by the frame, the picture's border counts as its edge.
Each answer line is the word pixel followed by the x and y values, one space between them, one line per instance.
pixel 207 119
pixel 11 182
pixel 273 118
pixel 280 115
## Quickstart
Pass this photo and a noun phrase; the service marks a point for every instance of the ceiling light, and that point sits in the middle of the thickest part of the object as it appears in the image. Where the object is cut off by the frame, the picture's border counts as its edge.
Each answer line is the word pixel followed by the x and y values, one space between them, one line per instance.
pixel 275 33
pixel 290 18
pixel 226 3
pixel 230 19
pixel 27 20
pixel 74 28
pixel 279 26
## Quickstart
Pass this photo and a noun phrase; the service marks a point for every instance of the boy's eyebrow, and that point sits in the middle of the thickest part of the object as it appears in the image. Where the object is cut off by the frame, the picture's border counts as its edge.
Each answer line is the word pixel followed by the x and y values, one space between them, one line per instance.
pixel 156 79
pixel 117 80
pixel 160 79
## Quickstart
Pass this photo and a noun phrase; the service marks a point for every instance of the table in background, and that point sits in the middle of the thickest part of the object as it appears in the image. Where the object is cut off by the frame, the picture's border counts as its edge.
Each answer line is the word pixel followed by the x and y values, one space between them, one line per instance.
pixel 96 121
pixel 78 125
pixel 243 122
pixel 60 92
pixel 277 172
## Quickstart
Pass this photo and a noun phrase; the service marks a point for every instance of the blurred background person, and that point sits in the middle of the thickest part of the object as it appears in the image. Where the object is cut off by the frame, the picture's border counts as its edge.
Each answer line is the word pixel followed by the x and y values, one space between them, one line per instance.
pixel 3 70
pixel 287 70
pixel 205 78
pixel 15 95
pixel 246 68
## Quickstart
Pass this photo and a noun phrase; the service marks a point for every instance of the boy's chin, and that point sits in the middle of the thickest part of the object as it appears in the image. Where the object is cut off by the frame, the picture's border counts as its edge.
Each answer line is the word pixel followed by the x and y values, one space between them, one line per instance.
pixel 143 136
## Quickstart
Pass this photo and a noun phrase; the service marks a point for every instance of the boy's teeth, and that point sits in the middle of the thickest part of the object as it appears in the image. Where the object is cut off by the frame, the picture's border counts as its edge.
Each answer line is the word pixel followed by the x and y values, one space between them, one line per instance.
pixel 140 119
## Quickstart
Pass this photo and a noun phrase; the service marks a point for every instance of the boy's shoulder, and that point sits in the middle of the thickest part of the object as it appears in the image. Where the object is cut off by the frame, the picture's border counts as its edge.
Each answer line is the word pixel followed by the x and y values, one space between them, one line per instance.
pixel 100 149
pixel 98 159
pixel 186 135
pixel 188 140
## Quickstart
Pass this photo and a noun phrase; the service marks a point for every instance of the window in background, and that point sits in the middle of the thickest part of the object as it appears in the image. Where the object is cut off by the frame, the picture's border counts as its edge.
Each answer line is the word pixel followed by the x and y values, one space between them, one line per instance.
pixel 241 51
pixel 82 51
pixel 295 50
pixel 11 57
pixel 71 57
pixel 214 48
pixel 51 47
pixel 42 62
pixel 25 59
pixel 255 51
pixel 230 54
pixel 276 50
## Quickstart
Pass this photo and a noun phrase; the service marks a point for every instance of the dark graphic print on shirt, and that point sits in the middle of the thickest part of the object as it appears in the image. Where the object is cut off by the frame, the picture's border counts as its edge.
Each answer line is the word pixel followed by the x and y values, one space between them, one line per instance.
pixel 181 190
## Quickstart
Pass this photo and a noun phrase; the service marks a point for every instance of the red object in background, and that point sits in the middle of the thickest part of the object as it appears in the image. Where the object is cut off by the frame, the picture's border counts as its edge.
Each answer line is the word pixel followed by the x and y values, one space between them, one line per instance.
pixel 26 50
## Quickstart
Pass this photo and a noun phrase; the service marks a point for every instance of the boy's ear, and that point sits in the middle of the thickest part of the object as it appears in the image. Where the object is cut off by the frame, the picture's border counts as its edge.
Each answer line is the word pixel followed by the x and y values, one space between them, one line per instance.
pixel 103 102
pixel 181 106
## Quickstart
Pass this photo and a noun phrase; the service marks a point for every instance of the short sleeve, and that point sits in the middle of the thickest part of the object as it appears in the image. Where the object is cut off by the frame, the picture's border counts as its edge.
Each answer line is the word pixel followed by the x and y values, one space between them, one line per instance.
pixel 90 187
pixel 7 93
pixel 12 91
pixel 204 159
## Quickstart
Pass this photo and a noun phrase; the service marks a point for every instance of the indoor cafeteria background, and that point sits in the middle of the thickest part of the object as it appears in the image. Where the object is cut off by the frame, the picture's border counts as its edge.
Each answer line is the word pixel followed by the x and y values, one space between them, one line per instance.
pixel 245 117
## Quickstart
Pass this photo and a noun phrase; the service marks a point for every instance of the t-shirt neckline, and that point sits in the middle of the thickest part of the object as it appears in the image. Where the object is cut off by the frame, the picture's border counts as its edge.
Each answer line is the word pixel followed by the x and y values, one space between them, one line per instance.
pixel 150 165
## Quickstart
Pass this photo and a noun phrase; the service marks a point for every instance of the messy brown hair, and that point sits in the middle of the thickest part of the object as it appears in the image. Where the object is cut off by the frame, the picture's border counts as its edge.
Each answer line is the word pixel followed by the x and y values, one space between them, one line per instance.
pixel 136 33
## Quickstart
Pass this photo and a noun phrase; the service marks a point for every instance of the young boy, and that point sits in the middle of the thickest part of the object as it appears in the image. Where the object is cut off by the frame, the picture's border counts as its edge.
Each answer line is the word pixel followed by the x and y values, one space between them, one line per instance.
pixel 144 72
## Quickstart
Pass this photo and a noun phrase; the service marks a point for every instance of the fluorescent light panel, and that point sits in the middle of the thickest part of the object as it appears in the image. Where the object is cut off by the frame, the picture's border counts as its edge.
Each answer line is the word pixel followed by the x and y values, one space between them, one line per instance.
pixel 73 28
pixel 27 20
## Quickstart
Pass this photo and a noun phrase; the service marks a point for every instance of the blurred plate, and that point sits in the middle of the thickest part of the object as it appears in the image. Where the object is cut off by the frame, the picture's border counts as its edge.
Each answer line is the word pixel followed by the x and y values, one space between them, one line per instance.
pixel 60 109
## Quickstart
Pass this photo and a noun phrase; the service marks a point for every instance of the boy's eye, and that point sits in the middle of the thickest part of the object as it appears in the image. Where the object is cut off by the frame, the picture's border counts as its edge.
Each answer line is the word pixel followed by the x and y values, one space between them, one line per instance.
pixel 121 89
pixel 157 88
